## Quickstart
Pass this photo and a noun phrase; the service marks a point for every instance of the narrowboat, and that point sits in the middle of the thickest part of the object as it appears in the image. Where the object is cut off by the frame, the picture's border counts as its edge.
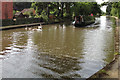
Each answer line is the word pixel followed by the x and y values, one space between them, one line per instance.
pixel 83 21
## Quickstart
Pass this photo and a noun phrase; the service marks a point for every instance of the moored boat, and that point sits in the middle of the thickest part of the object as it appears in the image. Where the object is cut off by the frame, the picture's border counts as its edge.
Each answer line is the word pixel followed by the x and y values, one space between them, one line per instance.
pixel 81 21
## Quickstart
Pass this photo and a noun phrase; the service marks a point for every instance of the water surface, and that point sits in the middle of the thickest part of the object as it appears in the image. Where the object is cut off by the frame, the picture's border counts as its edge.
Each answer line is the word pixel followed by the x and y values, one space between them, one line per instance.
pixel 58 51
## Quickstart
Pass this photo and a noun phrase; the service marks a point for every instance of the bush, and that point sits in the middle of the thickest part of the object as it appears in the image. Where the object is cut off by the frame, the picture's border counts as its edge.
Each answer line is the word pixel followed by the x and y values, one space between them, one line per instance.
pixel 8 22
pixel 44 16
pixel 14 12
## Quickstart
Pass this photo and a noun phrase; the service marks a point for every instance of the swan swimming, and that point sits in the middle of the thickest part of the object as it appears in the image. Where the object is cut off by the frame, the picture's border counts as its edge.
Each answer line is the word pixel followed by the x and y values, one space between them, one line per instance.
pixel 36 29
pixel 40 27
pixel 26 28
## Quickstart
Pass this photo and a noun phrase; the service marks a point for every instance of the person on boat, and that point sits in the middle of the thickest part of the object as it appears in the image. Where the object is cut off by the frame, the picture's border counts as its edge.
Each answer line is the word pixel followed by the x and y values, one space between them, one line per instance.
pixel 81 19
pixel 77 20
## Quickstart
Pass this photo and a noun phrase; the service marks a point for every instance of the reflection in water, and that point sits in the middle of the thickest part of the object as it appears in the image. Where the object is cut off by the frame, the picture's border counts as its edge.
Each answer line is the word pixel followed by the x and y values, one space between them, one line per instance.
pixel 58 51
pixel 97 44
pixel 53 66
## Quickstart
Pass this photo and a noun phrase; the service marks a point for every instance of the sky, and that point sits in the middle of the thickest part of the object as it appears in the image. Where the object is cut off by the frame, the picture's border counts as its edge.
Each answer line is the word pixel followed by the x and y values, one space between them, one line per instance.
pixel 104 7
pixel 101 1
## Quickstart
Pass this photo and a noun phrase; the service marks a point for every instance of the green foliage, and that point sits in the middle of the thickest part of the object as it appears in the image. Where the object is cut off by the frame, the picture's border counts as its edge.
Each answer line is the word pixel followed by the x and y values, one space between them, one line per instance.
pixel 86 8
pixel 116 5
pixel 108 10
pixel 105 3
pixel 14 12
pixel 114 12
pixel 7 22
pixel 114 22
pixel 114 9
pixel 44 16
pixel 103 71
pixel 37 16
pixel 65 9
pixel 95 8
pixel 116 53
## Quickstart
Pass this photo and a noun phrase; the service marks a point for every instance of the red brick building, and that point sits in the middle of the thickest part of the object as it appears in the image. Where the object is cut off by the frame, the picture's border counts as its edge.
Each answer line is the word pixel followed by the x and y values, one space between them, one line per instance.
pixel 6 10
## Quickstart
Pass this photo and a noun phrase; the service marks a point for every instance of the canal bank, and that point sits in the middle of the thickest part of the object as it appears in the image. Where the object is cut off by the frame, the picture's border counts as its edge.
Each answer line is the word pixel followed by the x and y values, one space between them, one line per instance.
pixel 112 69
pixel 26 25
pixel 38 23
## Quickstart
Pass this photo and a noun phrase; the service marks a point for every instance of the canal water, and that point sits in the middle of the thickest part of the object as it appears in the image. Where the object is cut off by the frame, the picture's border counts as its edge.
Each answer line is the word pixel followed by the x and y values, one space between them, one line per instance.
pixel 58 51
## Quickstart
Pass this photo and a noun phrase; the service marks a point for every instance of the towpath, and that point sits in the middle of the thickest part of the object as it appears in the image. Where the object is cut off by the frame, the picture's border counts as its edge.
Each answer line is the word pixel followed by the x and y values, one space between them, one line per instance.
pixel 19 26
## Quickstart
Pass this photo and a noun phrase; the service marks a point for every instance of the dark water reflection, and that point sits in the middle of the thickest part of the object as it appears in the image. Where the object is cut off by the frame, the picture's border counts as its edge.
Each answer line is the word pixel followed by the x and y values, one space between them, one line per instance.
pixel 58 51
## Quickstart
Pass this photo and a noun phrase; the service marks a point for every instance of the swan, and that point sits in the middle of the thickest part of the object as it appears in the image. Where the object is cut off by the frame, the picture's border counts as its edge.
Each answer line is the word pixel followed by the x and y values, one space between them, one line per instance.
pixel 36 29
pixel 33 29
pixel 64 26
pixel 26 28
pixel 30 28
pixel 40 27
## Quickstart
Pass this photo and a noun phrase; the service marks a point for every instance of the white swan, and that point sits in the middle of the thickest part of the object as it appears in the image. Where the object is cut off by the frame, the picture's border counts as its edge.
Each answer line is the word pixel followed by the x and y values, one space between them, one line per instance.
pixel 30 28
pixel 40 27
pixel 64 26
pixel 26 28
pixel 33 29
pixel 36 29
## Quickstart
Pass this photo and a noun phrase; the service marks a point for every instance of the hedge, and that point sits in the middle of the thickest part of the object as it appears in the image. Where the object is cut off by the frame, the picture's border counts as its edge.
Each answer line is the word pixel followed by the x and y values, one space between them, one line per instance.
pixel 8 22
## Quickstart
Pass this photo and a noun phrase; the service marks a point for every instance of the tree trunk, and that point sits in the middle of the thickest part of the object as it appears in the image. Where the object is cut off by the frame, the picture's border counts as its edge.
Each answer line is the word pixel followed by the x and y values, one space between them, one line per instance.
pixel 48 11
pixel 62 5
pixel 58 9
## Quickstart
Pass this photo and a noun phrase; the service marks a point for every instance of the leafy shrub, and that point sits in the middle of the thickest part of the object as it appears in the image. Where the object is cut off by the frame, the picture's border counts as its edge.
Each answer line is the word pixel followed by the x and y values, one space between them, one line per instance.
pixel 7 22
pixel 44 16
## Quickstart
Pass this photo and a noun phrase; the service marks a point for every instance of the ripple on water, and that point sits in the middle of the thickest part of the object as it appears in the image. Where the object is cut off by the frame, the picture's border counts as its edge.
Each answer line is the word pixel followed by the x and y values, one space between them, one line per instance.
pixel 64 66
pixel 12 50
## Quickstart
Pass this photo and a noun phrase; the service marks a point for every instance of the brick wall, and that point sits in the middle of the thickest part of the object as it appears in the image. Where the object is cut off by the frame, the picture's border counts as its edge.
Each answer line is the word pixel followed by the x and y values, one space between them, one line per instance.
pixel 7 10
pixel 0 10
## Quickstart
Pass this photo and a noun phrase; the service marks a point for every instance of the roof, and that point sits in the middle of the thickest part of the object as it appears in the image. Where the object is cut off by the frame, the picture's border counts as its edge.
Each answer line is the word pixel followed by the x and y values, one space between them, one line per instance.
pixel 27 10
pixel 18 13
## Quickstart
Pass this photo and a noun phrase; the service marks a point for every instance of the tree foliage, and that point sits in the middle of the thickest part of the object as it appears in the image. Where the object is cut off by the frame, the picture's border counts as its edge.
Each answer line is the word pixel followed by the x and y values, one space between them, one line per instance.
pixel 113 9
pixel 108 10
pixel 60 9
pixel 66 9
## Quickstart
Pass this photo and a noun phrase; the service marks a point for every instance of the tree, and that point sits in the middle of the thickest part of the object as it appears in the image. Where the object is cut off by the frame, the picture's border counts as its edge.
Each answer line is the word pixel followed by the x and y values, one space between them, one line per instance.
pixel 115 10
pixel 109 7
pixel 86 8
pixel 66 9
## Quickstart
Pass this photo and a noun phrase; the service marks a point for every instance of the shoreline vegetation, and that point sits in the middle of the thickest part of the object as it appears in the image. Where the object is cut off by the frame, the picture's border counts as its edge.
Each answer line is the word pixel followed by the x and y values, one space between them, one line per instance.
pixel 50 12
pixel 111 69
pixel 113 9
pixel 88 22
